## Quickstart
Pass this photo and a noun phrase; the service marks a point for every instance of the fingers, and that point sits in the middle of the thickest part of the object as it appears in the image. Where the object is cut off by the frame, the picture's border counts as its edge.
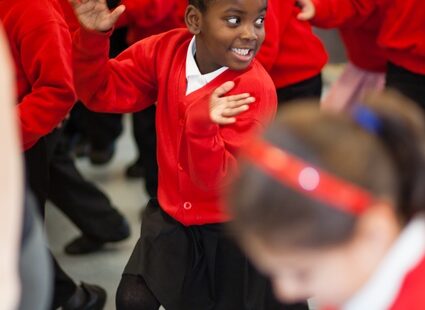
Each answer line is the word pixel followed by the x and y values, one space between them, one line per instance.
pixel 237 97
pixel 224 109
pixel 115 14
pixel 237 103
pixel 74 3
pixel 223 89
pixel 235 111
pixel 225 114
pixel 308 10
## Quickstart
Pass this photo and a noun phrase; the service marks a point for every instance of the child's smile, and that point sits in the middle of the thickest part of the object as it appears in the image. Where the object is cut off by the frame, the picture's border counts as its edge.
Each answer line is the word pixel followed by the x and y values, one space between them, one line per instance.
pixel 244 54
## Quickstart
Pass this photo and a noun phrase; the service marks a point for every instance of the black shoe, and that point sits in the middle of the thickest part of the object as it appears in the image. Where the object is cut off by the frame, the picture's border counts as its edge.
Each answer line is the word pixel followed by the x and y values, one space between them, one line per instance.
pixel 83 245
pixel 101 156
pixel 86 297
pixel 135 171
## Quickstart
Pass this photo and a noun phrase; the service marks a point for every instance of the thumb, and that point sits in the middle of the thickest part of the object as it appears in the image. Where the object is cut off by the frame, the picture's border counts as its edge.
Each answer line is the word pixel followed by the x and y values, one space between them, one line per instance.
pixel 308 9
pixel 223 89
pixel 116 13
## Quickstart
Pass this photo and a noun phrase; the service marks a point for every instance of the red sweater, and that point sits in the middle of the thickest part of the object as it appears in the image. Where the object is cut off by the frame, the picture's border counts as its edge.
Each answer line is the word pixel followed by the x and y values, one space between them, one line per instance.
pixel 41 48
pixel 195 156
pixel 291 52
pixel 146 17
pixel 360 40
pixel 411 295
pixel 69 15
pixel 402 33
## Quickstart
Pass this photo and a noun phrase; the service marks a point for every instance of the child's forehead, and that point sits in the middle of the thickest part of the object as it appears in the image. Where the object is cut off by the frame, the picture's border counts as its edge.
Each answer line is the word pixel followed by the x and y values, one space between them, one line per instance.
pixel 236 3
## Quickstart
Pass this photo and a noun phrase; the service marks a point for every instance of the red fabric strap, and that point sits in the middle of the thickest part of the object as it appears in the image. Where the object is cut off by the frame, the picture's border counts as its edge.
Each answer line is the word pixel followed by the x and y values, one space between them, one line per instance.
pixel 306 179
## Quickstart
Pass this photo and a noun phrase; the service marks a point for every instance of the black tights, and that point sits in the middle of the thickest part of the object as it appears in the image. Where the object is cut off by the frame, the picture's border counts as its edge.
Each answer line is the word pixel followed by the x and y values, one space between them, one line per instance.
pixel 134 294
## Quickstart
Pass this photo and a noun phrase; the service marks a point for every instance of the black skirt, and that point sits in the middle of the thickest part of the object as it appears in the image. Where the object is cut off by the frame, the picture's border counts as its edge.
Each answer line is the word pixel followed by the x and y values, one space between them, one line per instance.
pixel 197 267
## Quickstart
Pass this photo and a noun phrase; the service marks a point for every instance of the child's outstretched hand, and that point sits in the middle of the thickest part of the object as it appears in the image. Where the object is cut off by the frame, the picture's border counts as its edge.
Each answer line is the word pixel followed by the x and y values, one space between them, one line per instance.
pixel 95 14
pixel 223 110
pixel 308 10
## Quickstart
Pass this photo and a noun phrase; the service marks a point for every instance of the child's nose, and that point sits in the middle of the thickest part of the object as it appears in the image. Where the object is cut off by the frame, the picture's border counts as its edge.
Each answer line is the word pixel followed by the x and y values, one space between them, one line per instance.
pixel 249 33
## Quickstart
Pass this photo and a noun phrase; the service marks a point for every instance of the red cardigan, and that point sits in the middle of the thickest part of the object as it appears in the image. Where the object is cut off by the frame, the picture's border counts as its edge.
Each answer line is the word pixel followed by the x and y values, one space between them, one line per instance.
pixel 195 156
pixel 146 17
pixel 41 47
pixel 402 33
pixel 291 52
pixel 411 295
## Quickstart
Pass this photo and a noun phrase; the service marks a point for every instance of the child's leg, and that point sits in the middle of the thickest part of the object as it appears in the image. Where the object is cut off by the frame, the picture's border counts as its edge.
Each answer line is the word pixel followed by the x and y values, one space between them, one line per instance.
pixel 133 293
pixel 407 82
pixel 308 88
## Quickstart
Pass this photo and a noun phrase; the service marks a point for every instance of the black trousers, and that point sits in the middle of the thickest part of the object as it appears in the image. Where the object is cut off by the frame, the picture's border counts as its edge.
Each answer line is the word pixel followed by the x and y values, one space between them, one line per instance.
pixel 307 89
pixel 100 130
pixel 145 136
pixel 410 84
pixel 52 175
pixel 81 201
pixel 37 163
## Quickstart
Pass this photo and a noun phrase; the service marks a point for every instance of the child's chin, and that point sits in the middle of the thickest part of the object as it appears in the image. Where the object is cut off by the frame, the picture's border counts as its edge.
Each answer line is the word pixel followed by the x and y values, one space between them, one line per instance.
pixel 239 67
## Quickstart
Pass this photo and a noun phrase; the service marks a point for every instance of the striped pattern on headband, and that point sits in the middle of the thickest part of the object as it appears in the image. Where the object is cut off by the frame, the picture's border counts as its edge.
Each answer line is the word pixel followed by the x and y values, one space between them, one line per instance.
pixel 306 179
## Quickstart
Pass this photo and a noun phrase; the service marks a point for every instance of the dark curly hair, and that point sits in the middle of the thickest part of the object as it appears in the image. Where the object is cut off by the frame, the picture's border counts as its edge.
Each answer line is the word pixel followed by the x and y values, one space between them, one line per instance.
pixel 202 5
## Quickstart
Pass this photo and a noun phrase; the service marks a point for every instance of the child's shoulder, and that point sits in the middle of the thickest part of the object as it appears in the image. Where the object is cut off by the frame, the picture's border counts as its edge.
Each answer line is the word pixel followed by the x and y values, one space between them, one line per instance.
pixel 165 43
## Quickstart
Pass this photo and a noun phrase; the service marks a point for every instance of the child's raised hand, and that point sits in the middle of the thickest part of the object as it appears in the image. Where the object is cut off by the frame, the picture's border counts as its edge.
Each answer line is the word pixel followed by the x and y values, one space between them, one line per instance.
pixel 224 109
pixel 308 10
pixel 95 14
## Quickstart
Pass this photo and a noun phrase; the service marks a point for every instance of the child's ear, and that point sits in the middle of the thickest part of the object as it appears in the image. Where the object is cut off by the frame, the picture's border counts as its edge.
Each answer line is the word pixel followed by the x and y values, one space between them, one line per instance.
pixel 193 19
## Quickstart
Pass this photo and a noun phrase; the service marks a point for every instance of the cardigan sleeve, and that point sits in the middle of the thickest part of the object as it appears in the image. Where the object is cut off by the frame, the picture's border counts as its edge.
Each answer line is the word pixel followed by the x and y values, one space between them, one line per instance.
pixel 212 149
pixel 45 56
pixel 145 13
pixel 336 13
pixel 124 84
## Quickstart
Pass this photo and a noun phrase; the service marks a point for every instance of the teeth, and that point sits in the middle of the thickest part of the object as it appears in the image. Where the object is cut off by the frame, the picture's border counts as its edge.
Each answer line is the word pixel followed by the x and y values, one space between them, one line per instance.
pixel 241 51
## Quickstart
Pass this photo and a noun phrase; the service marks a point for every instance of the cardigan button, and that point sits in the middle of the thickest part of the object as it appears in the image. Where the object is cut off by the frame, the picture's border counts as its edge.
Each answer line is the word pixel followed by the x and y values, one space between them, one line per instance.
pixel 179 166
pixel 187 205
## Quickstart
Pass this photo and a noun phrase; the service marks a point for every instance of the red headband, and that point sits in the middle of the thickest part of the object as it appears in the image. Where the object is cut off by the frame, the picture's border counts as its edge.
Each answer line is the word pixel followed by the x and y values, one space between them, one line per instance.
pixel 307 179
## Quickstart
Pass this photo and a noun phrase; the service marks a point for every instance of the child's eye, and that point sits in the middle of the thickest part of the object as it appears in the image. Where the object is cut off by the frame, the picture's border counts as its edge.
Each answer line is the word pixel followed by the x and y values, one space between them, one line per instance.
pixel 233 21
pixel 259 21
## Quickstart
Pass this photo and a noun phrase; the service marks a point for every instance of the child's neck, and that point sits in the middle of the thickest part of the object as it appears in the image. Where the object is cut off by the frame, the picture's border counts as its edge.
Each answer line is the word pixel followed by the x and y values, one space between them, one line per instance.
pixel 204 66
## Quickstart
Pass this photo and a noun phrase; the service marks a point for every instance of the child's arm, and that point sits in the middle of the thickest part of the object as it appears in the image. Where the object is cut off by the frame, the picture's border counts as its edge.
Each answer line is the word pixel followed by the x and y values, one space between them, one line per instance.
pixel 213 137
pixel 45 57
pixel 334 13
pixel 124 84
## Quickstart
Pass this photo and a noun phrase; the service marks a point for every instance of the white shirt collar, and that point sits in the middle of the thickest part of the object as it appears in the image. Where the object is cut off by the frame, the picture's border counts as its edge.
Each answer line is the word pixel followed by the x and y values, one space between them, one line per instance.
pixel 195 80
pixel 380 291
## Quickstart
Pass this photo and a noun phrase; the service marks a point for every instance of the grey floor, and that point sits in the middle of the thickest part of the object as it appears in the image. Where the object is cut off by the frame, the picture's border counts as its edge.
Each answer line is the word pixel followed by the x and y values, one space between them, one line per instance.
pixel 102 268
